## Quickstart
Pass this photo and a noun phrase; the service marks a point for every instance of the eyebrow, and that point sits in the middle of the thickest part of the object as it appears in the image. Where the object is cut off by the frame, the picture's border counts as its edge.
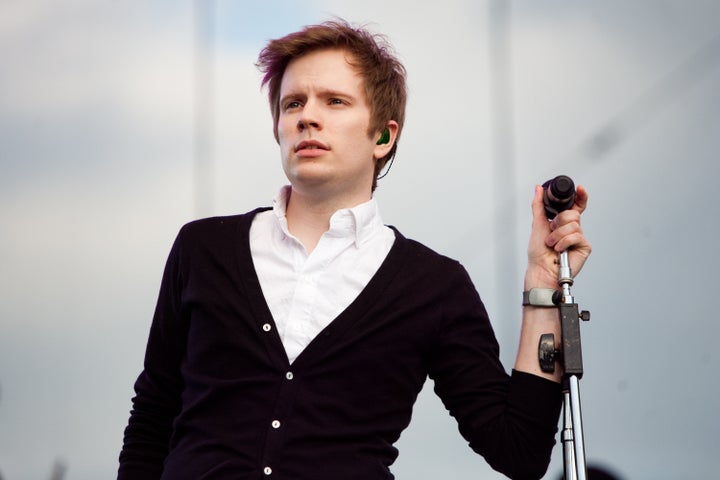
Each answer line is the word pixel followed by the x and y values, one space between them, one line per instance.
pixel 322 93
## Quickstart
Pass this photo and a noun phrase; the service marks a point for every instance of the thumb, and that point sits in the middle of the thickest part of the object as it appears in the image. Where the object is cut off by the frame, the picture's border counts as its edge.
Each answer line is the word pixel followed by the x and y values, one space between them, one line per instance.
pixel 540 221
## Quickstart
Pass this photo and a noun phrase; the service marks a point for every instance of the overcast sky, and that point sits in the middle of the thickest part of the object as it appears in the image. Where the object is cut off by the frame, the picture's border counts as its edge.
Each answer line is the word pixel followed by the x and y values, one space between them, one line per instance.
pixel 100 147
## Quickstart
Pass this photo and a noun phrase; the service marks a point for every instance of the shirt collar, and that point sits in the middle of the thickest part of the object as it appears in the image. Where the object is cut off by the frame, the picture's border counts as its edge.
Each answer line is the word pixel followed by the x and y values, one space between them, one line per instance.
pixel 359 222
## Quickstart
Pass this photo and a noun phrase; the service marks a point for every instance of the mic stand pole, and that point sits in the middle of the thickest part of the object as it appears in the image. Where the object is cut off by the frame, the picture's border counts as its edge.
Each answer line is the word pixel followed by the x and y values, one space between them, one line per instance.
pixel 571 355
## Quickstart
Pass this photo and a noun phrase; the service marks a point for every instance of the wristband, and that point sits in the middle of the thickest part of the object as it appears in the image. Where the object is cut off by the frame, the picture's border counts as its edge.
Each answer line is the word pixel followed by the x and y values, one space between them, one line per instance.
pixel 541 297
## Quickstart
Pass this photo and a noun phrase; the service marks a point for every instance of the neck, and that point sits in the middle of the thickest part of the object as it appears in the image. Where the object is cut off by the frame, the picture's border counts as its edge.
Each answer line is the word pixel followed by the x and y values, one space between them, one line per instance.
pixel 308 217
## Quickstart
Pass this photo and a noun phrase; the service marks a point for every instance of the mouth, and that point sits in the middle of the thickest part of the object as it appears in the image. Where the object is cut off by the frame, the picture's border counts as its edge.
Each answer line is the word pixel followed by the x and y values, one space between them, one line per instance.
pixel 310 145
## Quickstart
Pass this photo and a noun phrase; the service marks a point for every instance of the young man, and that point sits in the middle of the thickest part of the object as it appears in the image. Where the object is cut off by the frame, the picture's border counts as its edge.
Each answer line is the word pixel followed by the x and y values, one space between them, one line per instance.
pixel 292 342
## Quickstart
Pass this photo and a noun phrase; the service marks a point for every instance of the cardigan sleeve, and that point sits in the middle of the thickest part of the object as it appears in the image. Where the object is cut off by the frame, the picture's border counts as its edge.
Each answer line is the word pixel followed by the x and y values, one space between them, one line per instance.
pixel 510 420
pixel 159 386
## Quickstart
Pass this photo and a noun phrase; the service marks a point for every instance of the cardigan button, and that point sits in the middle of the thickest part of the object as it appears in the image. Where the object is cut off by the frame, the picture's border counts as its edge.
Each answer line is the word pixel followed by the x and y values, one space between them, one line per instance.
pixel 276 424
pixel 267 327
pixel 289 375
pixel 267 471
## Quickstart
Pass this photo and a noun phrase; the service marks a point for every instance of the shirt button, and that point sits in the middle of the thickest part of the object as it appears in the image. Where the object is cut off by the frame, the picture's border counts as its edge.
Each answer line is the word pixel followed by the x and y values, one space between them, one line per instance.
pixel 276 423
pixel 289 375
pixel 267 327
pixel 267 471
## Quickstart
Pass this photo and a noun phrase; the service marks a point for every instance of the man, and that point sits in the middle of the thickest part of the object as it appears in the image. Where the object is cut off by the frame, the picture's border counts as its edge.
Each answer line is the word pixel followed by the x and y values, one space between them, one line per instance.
pixel 292 343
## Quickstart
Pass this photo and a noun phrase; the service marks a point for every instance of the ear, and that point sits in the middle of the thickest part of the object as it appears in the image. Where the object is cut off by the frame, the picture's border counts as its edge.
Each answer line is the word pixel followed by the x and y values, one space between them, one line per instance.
pixel 383 147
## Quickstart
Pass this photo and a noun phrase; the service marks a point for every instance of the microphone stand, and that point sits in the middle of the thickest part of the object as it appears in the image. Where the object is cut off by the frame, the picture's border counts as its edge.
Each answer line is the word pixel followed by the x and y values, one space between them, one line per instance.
pixel 573 441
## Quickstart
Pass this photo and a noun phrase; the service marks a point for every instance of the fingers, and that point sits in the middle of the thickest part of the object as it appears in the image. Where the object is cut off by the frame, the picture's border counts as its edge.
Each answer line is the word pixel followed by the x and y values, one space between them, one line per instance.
pixel 566 242
pixel 581 199
pixel 565 231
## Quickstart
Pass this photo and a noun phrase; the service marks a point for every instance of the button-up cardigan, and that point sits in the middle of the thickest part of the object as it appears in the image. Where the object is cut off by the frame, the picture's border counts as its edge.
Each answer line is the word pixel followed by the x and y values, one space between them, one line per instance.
pixel 218 398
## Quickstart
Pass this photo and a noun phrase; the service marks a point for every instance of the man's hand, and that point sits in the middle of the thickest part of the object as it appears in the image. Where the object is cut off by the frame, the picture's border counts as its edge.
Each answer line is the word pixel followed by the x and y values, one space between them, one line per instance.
pixel 549 238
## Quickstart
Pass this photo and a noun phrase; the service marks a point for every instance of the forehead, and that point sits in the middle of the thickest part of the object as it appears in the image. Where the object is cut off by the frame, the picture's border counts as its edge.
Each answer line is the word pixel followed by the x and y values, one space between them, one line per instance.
pixel 327 68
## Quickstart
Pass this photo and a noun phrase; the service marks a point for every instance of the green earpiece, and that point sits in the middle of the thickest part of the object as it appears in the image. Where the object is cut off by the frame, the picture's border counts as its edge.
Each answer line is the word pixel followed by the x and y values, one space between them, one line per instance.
pixel 385 137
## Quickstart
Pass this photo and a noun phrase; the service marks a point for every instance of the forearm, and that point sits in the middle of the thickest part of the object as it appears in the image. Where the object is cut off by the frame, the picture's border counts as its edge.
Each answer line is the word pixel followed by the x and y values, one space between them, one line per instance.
pixel 537 321
pixel 147 435
pixel 547 241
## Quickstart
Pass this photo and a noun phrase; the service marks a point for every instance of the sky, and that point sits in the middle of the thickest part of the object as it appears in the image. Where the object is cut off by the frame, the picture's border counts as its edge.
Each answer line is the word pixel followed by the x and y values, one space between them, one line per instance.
pixel 121 121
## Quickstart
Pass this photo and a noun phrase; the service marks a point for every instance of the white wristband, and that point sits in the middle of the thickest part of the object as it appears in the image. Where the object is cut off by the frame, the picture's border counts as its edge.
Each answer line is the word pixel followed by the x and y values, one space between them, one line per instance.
pixel 540 297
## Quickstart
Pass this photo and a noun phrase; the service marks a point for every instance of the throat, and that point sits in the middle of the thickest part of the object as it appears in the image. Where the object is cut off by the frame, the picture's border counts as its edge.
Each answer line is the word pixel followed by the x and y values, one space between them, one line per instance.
pixel 307 232
pixel 308 218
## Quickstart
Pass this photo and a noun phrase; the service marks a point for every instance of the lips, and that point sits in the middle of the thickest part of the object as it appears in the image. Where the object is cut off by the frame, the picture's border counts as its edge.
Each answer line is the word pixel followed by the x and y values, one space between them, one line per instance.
pixel 307 145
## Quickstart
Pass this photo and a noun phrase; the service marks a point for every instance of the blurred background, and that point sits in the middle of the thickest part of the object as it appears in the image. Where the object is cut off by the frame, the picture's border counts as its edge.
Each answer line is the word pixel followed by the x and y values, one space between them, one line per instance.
pixel 120 121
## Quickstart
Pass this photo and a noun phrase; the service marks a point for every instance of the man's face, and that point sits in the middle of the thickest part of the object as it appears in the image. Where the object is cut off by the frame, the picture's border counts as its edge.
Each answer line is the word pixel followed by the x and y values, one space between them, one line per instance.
pixel 323 127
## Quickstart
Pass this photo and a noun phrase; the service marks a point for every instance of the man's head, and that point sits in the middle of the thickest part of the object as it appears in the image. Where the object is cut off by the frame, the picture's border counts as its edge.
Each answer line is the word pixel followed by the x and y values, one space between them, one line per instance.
pixel 383 74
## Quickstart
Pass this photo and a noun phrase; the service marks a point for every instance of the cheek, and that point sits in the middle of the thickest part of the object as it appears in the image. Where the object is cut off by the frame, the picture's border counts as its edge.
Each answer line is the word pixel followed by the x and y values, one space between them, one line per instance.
pixel 284 136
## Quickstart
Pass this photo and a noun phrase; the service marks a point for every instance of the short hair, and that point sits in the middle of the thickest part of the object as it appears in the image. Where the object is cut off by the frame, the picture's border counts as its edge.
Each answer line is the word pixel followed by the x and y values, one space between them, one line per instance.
pixel 384 76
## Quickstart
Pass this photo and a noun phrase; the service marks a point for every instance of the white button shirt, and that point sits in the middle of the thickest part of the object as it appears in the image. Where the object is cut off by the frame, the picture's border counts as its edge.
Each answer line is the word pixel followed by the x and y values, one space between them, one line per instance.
pixel 306 292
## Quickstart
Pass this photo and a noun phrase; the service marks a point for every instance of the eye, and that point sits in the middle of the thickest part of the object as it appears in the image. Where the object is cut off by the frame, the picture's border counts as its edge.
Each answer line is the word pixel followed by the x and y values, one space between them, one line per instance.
pixel 292 105
pixel 336 101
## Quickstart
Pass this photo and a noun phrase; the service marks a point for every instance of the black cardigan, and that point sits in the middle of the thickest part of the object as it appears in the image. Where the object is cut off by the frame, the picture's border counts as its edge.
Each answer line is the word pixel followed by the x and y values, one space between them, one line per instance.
pixel 218 398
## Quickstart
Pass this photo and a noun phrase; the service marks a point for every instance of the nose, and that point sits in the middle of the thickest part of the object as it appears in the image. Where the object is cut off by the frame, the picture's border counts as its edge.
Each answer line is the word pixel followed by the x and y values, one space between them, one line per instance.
pixel 309 118
pixel 306 123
